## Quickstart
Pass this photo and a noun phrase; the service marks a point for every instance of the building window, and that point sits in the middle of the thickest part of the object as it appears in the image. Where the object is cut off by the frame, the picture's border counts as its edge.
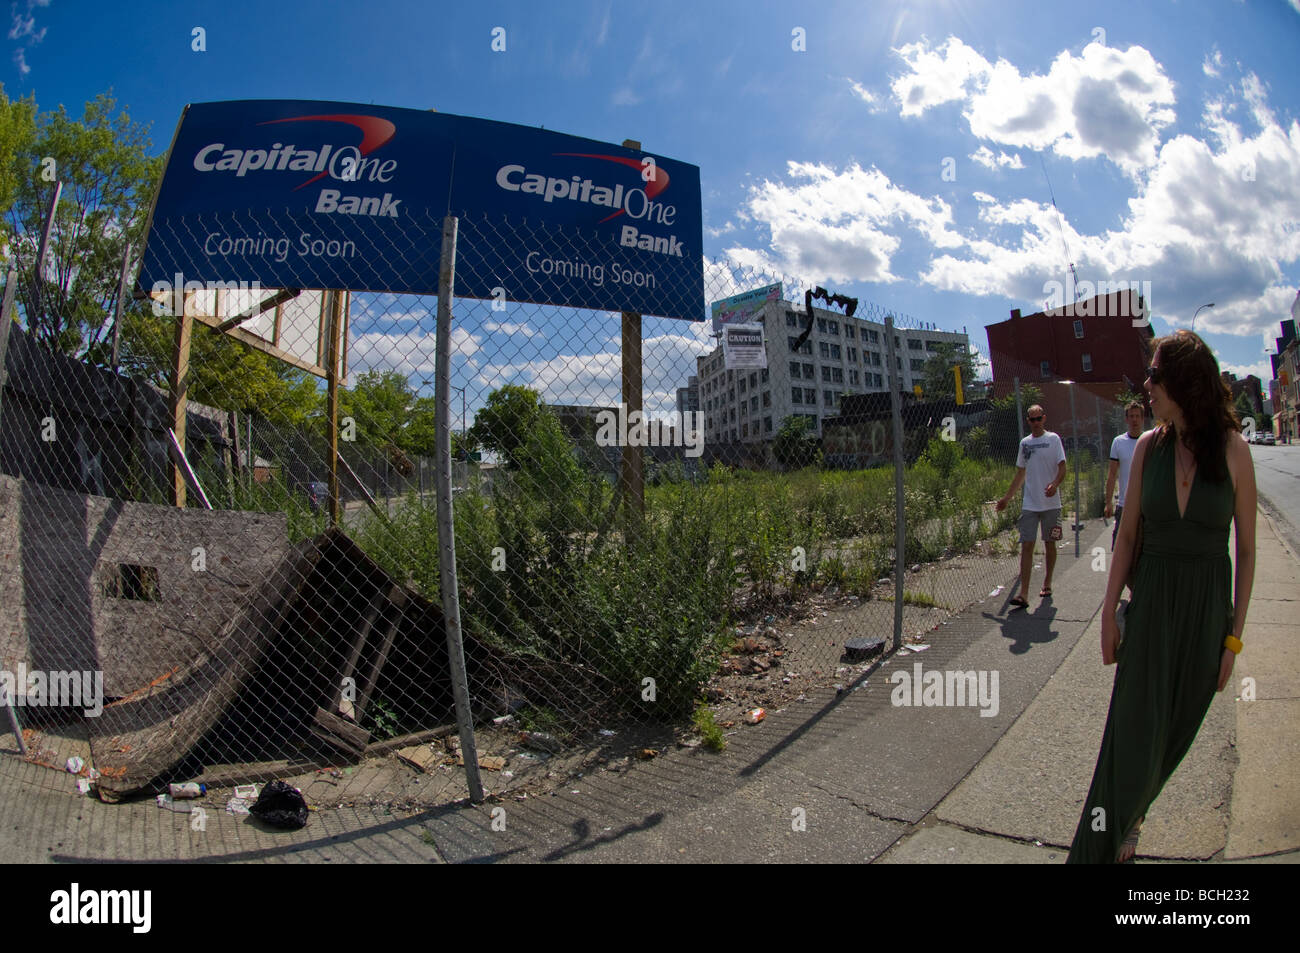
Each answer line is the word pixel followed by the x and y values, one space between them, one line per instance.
pixel 1078 330
pixel 918 364
pixel 826 374
pixel 1087 363
pixel 762 375
pixel 790 320
pixel 767 398
pixel 853 377
pixel 853 354
pixel 873 336
pixel 808 372
pixel 932 346
pixel 796 395
pixel 742 410
pixel 731 393
pixel 810 396
pixel 821 325
pixel 825 349
pixel 744 430
pixel 914 345
pixel 742 385
pixel 1045 369
pixel 837 375
pixel 753 403
pixel 829 396
pixel 850 332
pixel 875 358
pixel 794 369
pixel 733 413
pixel 835 327
pixel 753 379
pixel 767 425
pixel 835 351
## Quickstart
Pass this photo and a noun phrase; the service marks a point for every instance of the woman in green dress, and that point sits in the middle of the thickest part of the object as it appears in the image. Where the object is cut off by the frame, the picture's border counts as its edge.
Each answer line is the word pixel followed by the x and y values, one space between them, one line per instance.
pixel 1194 478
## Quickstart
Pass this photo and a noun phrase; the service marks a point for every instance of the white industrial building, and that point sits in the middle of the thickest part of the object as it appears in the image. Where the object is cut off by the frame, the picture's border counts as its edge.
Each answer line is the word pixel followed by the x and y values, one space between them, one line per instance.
pixel 841 356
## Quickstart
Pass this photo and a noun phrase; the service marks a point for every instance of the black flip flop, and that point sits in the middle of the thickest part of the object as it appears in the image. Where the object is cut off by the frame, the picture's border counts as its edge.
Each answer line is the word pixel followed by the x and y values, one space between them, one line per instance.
pixel 1018 602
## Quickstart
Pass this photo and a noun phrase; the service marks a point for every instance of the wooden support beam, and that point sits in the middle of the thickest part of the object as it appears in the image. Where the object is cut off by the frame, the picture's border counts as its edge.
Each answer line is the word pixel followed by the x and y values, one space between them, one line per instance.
pixel 179 391
pixel 631 472
pixel 335 305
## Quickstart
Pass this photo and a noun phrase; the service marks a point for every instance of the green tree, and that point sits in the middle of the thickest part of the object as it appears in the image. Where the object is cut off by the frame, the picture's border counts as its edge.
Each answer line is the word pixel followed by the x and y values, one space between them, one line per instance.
pixel 506 421
pixel 795 445
pixel 938 378
pixel 223 372
pixel 17 133
pixel 388 413
pixel 108 181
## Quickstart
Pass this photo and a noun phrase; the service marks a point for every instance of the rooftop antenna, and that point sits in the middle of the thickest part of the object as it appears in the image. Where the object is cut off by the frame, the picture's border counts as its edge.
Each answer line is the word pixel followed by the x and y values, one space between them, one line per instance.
pixel 1060 221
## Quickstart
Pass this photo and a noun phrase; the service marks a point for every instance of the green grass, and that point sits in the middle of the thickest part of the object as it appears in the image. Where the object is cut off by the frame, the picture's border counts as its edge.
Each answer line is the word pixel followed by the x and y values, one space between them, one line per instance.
pixel 708 728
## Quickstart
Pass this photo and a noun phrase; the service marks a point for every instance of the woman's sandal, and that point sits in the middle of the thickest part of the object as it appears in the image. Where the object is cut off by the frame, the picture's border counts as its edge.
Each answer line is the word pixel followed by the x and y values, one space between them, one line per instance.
pixel 1018 602
pixel 1128 846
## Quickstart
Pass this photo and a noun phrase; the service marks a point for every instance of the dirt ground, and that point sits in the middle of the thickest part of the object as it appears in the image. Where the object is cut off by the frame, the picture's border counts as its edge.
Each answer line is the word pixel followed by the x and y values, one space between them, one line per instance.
pixel 776 658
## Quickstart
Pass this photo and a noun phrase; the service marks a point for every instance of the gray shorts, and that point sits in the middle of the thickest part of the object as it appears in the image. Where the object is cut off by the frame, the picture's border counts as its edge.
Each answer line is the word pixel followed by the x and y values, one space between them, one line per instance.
pixel 1048 520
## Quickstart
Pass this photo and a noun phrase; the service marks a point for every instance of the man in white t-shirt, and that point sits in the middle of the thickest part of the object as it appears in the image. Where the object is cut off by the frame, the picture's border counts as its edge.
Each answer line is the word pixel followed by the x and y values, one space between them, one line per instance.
pixel 1040 468
pixel 1121 460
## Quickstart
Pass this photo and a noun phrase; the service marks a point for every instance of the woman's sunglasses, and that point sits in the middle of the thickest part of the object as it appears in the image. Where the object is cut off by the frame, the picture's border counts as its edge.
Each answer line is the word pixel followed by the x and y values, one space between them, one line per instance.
pixel 1155 374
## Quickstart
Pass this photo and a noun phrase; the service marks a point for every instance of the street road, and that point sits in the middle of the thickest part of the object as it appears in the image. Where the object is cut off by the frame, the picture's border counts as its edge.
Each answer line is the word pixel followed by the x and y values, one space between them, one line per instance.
pixel 1277 474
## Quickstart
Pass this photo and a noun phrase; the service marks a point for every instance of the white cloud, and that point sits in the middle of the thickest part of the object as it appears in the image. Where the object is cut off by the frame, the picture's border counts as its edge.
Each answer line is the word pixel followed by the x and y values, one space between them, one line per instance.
pixel 1206 225
pixel 1103 103
pixel 829 225
pixel 409 354
pixel 1261 369
pixel 20 61
pixel 512 327
pixel 874 102
pixel 985 157
pixel 625 96
pixel 1213 62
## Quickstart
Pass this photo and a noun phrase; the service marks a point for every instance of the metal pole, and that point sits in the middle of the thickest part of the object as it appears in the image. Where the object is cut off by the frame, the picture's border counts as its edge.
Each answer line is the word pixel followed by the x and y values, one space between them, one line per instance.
pixel 6 307
pixel 1020 414
pixel 446 523
pixel 117 309
pixel 1074 427
pixel 900 528
pixel 1101 437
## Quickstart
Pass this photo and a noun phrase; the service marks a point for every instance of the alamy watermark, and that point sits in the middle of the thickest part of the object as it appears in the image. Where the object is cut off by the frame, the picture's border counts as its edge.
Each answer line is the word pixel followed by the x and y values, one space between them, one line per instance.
pixel 164 292
pixel 948 689
pixel 622 428
pixel 54 689
pixel 1095 297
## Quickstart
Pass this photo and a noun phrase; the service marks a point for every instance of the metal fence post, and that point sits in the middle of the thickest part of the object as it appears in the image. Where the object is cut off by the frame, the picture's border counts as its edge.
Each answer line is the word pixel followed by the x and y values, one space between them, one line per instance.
pixel 446 523
pixel 1074 427
pixel 1020 415
pixel 900 526
pixel 11 286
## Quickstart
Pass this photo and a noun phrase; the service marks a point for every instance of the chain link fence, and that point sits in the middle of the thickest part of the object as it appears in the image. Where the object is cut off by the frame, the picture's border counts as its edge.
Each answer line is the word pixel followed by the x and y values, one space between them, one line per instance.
pixel 652 535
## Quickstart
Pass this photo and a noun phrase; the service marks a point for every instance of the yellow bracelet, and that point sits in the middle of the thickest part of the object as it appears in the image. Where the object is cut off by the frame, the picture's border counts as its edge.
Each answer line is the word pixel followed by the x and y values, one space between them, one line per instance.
pixel 1233 643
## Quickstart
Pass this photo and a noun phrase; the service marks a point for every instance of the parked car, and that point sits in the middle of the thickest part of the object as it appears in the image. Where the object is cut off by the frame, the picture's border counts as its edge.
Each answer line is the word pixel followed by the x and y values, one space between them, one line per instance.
pixel 1267 438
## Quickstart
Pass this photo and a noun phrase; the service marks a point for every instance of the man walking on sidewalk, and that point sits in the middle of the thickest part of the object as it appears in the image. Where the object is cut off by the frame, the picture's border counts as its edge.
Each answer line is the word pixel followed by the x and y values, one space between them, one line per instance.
pixel 1040 468
pixel 1121 459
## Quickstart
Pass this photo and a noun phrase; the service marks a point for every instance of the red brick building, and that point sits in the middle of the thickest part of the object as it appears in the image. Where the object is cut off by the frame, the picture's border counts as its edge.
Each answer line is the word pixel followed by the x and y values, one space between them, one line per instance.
pixel 1092 342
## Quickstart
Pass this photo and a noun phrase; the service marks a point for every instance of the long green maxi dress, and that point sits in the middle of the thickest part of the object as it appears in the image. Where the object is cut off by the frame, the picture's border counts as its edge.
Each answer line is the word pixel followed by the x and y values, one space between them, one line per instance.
pixel 1168 667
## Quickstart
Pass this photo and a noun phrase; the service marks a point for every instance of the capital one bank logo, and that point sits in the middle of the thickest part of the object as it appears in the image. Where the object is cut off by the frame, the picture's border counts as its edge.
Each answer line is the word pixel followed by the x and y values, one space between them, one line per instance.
pixel 343 163
pixel 640 204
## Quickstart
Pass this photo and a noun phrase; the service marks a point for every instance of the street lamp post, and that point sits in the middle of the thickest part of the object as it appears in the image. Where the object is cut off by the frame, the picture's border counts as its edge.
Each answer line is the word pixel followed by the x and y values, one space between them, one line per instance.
pixel 1198 311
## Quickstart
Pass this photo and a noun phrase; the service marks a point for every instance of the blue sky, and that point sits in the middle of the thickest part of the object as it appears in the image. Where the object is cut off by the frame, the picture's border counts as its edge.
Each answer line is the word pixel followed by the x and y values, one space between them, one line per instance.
pixel 902 155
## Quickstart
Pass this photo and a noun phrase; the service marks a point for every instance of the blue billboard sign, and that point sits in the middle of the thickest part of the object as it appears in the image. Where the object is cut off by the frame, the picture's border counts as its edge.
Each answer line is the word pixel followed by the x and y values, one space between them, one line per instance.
pixel 297 194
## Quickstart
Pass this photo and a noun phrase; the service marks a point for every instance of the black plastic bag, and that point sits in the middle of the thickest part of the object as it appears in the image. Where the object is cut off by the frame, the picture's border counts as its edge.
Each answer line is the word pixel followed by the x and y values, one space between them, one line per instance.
pixel 281 806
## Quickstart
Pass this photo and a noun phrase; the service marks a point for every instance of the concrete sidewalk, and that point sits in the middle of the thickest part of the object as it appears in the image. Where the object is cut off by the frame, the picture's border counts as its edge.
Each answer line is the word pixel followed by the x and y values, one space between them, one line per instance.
pixel 851 777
